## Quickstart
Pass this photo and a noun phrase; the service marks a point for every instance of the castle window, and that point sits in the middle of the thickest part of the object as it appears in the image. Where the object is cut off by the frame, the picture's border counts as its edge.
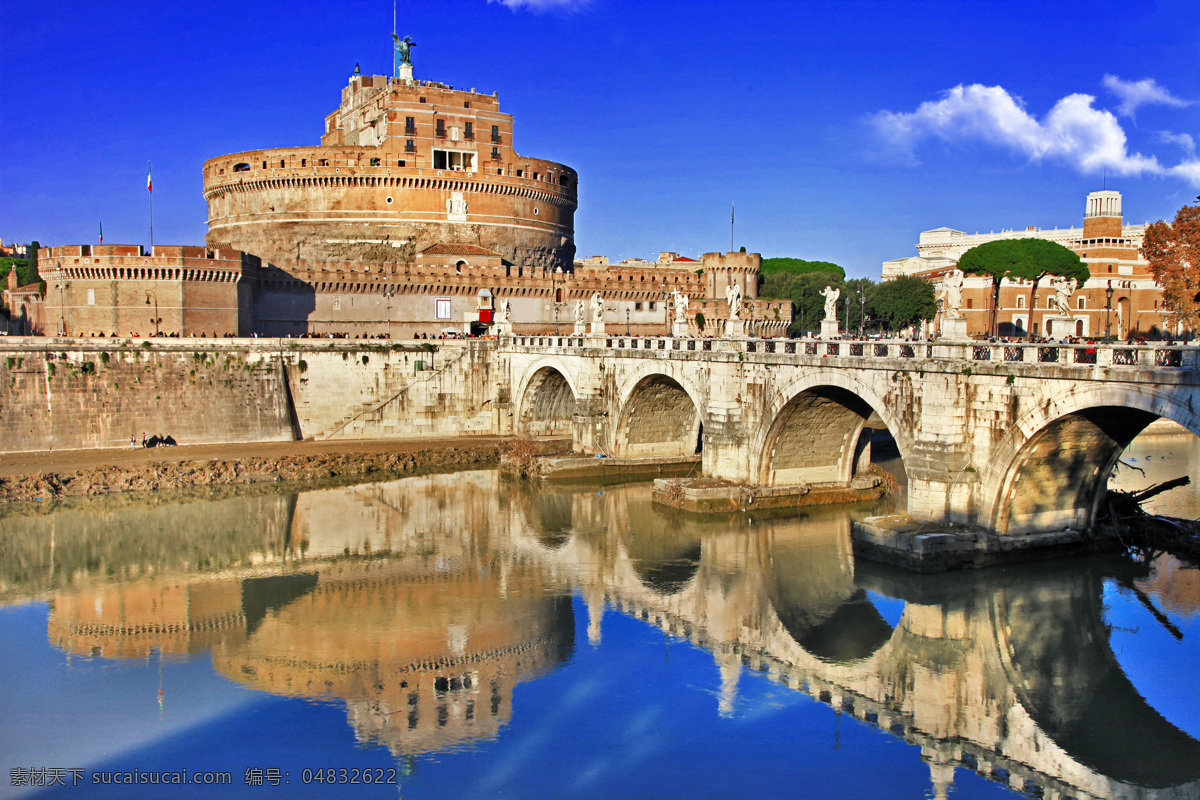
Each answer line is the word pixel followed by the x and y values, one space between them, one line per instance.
pixel 281 164
pixel 495 154
pixel 970 303
pixel 441 308
pixel 410 125
pixel 422 99
pixel 264 165
pixel 469 131
pixel 653 305
pixel 454 160
pixel 466 105
pixel 401 163
pixel 410 146
pixel 564 180
pixel 1082 303
pixel 440 129
pixel 244 167
pixel 637 306
pixel 374 162
pixel 324 162
pixel 496 133
pixel 304 162
pixel 520 172
pixel 1020 301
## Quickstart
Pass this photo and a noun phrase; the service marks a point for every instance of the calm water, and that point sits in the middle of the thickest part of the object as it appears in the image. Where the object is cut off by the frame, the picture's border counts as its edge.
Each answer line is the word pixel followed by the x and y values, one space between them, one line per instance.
pixel 465 637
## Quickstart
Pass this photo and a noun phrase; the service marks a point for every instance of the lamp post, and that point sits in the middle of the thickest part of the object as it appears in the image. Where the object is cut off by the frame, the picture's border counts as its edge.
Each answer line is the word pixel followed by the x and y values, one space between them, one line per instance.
pixel 847 304
pixel 862 315
pixel 626 319
pixel 387 296
pixel 62 306
pixel 156 320
pixel 1108 293
pixel 554 295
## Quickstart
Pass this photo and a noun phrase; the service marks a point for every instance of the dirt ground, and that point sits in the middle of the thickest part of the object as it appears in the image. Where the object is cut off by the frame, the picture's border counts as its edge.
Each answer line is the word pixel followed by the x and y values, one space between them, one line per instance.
pixel 76 473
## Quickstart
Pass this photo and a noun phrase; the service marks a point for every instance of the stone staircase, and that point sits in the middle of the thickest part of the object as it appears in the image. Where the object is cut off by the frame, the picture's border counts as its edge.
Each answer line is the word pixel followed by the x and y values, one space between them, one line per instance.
pixel 395 386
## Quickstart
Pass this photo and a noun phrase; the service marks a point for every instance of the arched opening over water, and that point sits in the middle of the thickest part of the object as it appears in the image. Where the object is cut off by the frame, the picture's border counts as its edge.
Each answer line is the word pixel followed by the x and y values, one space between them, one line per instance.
pixel 825 434
pixel 549 404
pixel 659 419
pixel 1060 474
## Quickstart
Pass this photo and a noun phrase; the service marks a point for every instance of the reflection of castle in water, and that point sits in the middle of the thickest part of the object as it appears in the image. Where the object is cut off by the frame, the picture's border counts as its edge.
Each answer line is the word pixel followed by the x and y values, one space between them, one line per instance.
pixel 1006 673
pixel 424 641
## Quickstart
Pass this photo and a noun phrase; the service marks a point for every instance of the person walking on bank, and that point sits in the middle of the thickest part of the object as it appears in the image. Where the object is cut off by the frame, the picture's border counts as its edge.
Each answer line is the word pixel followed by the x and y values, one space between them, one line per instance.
pixel 132 442
pixel 143 440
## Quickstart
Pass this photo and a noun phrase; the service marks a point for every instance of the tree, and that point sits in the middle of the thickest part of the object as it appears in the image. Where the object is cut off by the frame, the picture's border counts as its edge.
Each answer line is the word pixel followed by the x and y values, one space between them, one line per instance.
pixel 804 290
pixel 902 301
pixel 1173 250
pixel 1028 259
pixel 798 266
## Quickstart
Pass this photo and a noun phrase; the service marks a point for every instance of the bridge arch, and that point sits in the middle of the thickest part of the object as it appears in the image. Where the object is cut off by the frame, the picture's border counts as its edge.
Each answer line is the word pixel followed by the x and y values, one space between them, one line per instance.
pixel 660 414
pixel 814 426
pixel 1051 471
pixel 547 397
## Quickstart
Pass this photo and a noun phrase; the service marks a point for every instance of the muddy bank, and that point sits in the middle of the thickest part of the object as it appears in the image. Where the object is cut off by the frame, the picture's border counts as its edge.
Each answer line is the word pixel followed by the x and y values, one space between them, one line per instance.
pixel 290 468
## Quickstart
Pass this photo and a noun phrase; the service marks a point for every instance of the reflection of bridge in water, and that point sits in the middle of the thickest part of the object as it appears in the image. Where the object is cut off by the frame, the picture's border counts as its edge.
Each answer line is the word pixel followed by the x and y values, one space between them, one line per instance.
pixel 420 603
pixel 1007 674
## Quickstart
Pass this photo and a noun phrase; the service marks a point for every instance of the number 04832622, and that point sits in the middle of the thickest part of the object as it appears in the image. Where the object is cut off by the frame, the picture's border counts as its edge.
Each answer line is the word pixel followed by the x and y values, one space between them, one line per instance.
pixel 337 776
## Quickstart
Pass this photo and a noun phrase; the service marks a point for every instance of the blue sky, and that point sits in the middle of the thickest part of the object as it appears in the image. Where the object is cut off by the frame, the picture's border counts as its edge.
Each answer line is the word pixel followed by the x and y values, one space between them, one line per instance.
pixel 841 129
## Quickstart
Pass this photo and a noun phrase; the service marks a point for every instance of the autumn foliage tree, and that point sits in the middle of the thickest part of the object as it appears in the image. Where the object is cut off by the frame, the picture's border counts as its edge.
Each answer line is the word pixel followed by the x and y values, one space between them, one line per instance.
pixel 1173 250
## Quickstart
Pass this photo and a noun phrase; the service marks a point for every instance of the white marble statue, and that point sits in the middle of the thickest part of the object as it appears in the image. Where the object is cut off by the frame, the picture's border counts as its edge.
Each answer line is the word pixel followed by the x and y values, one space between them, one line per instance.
pixel 681 306
pixel 505 312
pixel 597 308
pixel 831 296
pixel 579 312
pixel 733 295
pixel 952 294
pixel 1063 289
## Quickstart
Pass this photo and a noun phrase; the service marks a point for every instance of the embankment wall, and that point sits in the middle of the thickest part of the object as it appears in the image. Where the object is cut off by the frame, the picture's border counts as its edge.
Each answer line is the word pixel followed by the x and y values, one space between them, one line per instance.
pixel 63 394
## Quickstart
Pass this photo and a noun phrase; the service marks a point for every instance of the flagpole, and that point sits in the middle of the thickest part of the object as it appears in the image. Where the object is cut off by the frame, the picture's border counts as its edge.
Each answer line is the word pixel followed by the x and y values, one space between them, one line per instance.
pixel 732 208
pixel 150 191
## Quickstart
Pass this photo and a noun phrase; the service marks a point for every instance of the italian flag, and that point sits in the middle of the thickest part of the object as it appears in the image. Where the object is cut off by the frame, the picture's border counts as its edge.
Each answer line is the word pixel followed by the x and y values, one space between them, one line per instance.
pixel 149 183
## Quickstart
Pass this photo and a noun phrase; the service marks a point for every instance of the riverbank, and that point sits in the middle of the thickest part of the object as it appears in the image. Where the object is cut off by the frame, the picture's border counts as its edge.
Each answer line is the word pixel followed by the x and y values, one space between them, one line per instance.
pixel 50 475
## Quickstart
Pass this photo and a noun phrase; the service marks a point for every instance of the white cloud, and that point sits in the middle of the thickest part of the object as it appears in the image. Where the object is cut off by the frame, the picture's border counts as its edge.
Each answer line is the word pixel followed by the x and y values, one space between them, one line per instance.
pixel 1189 170
pixel 1139 93
pixel 1184 140
pixel 1073 132
pixel 544 5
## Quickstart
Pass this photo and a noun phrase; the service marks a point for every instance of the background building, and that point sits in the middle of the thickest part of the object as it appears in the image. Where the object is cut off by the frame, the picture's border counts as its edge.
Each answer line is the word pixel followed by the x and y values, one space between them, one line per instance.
pixel 1120 299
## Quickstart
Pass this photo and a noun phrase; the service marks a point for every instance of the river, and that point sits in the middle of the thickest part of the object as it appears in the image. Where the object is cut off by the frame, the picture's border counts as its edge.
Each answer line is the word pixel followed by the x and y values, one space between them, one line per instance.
pixel 462 635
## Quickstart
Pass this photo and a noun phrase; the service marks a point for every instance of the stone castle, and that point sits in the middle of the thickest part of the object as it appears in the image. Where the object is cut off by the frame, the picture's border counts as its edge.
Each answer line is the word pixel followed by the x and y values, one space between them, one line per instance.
pixel 414 216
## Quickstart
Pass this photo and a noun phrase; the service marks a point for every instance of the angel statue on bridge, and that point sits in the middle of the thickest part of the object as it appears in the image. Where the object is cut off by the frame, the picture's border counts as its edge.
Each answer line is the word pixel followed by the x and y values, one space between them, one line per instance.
pixel 681 306
pixel 597 308
pixel 1063 289
pixel 733 295
pixel 831 296
pixel 579 312
pixel 505 311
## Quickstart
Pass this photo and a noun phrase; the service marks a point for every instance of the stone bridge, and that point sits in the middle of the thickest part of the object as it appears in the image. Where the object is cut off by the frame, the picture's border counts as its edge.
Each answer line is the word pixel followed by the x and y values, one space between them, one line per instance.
pixel 1014 438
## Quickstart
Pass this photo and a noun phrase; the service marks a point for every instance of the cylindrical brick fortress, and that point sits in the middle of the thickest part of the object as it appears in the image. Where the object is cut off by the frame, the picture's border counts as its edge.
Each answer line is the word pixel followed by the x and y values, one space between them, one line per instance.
pixel 402 166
